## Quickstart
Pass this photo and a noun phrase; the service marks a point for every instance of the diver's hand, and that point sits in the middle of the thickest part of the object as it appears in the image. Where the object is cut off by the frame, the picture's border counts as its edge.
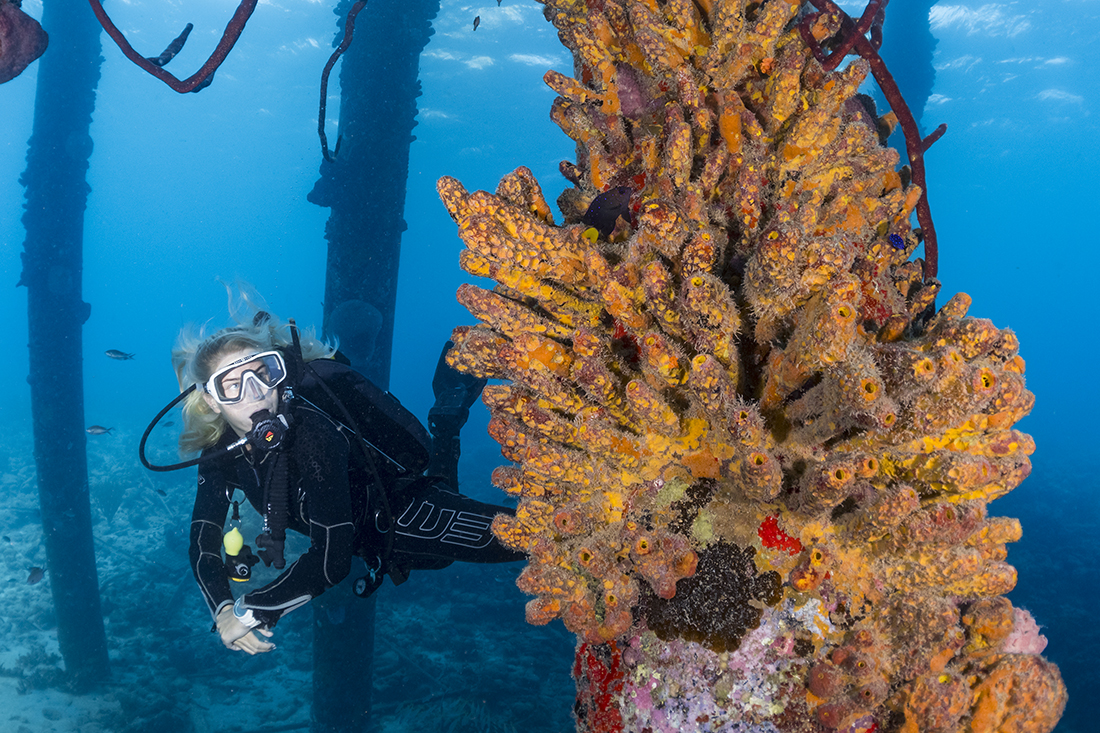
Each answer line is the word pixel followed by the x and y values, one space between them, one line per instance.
pixel 253 645
pixel 237 636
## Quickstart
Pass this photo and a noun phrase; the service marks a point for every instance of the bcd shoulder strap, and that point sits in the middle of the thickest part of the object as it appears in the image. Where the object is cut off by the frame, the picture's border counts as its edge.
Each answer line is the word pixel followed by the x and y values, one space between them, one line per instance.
pixel 386 424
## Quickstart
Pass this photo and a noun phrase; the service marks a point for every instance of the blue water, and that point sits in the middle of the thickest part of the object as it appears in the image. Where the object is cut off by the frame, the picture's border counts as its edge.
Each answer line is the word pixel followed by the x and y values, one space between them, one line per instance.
pixel 187 188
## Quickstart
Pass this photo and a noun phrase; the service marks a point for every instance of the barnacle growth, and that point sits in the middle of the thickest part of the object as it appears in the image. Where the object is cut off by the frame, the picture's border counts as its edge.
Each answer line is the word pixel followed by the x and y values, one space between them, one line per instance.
pixel 753 461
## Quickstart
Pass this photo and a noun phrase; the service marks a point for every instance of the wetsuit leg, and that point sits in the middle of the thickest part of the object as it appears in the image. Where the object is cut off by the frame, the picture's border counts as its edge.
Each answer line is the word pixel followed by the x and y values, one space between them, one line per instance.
pixel 455 393
pixel 434 523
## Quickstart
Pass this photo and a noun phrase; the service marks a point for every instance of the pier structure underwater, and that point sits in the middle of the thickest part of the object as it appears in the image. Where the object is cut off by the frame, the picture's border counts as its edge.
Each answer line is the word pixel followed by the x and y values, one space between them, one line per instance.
pixel 754 461
pixel 57 189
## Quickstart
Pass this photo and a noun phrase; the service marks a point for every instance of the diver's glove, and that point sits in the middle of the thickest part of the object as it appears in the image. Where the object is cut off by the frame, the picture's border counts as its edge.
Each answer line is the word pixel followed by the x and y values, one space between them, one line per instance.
pixel 236 635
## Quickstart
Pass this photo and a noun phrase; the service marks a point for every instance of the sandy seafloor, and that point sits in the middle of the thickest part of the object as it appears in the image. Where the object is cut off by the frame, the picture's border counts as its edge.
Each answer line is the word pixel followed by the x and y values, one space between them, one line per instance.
pixel 452 649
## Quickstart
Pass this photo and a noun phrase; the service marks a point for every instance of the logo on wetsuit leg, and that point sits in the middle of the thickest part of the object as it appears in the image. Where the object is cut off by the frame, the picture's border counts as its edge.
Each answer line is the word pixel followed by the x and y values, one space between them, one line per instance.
pixel 425 521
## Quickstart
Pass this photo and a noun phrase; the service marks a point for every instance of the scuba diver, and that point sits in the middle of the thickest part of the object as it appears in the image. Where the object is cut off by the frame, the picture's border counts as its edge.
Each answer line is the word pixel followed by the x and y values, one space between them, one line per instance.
pixel 316 448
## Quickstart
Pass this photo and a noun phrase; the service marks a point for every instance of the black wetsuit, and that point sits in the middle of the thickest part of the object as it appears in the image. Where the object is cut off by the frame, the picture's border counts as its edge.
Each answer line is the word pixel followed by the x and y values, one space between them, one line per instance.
pixel 332 500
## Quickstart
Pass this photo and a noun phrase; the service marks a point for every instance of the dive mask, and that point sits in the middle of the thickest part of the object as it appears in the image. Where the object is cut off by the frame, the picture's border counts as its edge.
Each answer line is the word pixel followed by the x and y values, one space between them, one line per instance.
pixel 249 376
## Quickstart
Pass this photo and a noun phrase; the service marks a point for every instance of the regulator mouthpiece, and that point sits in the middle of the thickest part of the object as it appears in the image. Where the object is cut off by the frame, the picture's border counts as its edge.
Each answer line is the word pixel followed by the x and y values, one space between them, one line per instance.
pixel 268 431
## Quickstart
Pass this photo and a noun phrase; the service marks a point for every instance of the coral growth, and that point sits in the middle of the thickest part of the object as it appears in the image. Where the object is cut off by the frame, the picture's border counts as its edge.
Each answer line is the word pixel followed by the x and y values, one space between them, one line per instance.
pixel 742 401
pixel 22 40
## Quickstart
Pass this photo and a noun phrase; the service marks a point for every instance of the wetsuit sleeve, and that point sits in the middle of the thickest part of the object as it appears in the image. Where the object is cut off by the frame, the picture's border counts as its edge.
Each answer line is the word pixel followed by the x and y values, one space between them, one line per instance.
pixel 321 456
pixel 207 520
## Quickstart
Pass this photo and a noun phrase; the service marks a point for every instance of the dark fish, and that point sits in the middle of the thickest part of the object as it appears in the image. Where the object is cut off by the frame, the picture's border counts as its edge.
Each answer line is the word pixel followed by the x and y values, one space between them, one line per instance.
pixel 162 492
pixel 7 539
pixel 36 575
pixel 98 430
pixel 168 423
pixel 896 241
pixel 606 209
pixel 477 22
pixel 120 355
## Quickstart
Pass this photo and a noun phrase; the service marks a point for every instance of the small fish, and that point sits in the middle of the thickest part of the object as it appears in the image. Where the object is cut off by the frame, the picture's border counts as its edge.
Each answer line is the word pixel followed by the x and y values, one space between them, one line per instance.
pixel 896 241
pixel 7 539
pixel 605 209
pixel 162 492
pixel 36 575
pixel 168 423
pixel 98 430
pixel 120 355
pixel 477 22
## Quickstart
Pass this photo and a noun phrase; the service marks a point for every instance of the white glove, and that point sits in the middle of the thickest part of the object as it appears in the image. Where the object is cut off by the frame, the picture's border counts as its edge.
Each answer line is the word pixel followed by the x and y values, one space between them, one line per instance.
pixel 237 636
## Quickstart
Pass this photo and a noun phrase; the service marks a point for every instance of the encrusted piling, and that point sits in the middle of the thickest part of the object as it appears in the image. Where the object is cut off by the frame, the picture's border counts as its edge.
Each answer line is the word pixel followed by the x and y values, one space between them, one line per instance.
pixel 53 262
pixel 754 463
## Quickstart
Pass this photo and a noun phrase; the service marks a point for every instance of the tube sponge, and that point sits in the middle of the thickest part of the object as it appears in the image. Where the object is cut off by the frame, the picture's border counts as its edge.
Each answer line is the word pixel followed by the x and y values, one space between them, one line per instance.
pixel 739 413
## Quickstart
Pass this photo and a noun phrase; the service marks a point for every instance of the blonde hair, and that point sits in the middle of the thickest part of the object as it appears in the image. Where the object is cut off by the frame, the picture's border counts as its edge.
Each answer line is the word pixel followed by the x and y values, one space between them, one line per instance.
pixel 196 353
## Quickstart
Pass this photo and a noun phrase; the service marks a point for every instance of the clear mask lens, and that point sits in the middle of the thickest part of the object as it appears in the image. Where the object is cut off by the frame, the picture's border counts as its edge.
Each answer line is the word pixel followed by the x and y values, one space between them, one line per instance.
pixel 248 379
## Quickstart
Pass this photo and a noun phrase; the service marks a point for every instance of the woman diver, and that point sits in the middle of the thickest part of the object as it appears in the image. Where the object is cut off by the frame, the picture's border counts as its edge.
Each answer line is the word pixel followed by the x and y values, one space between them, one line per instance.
pixel 275 416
